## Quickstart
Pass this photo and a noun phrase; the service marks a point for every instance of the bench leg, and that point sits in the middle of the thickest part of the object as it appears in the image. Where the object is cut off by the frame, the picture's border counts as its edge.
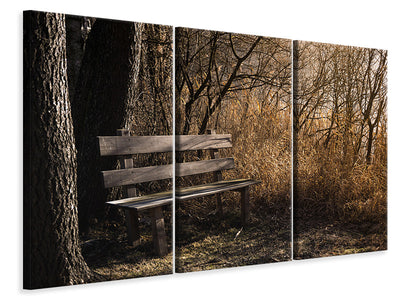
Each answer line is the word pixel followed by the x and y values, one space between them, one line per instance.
pixel 219 205
pixel 159 236
pixel 244 201
pixel 132 223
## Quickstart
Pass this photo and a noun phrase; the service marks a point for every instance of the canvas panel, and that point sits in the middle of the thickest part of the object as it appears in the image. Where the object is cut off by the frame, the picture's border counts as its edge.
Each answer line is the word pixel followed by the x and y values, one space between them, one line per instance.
pixel 86 77
pixel 340 149
pixel 235 86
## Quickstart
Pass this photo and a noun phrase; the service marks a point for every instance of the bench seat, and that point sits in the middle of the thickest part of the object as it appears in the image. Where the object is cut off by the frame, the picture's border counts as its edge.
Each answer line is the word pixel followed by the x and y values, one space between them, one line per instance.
pixel 165 198
pixel 144 202
pixel 212 188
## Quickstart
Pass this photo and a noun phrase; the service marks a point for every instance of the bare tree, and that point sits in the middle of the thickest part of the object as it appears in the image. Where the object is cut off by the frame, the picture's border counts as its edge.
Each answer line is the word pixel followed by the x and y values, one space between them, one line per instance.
pixel 212 66
pixel 341 97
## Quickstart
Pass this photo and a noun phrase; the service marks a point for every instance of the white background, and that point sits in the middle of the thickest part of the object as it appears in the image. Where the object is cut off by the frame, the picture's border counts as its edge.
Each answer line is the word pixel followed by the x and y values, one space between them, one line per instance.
pixel 360 23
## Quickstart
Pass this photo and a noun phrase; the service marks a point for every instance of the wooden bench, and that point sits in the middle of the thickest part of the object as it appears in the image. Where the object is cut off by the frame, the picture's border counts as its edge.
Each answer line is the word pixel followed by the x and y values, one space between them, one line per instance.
pixel 124 146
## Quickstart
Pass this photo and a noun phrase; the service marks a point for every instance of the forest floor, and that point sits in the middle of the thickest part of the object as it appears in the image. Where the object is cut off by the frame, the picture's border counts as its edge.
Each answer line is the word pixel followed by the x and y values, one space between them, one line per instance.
pixel 205 242
pixel 107 253
pixel 316 237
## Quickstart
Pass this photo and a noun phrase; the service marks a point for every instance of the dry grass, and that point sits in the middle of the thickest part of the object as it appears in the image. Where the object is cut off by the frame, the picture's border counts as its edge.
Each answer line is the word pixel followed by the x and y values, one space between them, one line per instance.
pixel 262 150
pixel 327 186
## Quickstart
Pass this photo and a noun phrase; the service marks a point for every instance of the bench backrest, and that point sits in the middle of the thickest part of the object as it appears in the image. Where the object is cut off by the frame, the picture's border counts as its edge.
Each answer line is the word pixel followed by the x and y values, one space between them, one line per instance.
pixel 125 145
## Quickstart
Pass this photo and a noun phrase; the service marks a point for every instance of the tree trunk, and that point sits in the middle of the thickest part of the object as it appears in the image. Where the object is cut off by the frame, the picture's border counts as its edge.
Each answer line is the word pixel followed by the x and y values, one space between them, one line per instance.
pixel 77 30
pixel 74 50
pixel 102 104
pixel 296 131
pixel 368 156
pixel 52 255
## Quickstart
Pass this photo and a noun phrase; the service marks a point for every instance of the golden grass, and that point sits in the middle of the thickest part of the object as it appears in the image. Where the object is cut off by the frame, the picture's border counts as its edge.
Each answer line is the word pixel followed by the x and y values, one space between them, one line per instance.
pixel 261 149
pixel 327 184
pixel 331 186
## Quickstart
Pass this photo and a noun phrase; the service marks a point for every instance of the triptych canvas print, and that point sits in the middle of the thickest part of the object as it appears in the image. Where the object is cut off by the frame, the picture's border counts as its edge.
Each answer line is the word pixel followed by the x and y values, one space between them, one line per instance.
pixel 152 150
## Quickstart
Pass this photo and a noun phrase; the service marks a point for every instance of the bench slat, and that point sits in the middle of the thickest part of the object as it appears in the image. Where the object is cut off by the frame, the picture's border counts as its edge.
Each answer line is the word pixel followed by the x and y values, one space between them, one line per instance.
pixel 155 196
pixel 144 202
pixel 204 166
pixel 137 175
pixel 140 206
pixel 202 142
pixel 125 145
pixel 212 188
pixel 165 198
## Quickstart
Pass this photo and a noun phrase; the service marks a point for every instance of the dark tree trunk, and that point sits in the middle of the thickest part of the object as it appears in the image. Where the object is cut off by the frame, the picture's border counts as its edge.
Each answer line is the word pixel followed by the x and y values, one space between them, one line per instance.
pixel 368 157
pixel 52 255
pixel 296 128
pixel 75 47
pixel 102 104
pixel 179 82
pixel 77 29
pixel 135 58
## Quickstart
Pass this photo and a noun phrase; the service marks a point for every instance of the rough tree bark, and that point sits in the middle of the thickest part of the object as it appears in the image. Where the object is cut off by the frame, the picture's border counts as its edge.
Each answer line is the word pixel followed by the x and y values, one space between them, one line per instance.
pixel 52 255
